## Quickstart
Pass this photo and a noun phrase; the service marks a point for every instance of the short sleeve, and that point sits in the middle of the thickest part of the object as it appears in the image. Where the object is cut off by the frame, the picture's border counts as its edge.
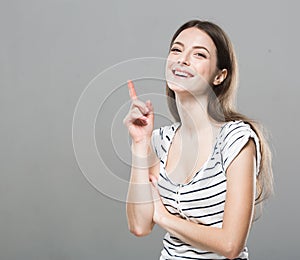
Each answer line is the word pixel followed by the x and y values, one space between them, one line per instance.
pixel 156 141
pixel 235 138
pixel 161 139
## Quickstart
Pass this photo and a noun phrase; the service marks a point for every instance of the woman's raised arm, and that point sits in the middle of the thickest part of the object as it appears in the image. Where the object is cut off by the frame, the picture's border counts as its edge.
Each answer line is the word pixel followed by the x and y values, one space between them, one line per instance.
pixel 139 122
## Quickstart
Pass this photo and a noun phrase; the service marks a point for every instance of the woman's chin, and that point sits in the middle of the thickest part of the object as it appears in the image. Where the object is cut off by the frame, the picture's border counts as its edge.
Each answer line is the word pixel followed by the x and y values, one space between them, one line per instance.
pixel 180 89
pixel 177 88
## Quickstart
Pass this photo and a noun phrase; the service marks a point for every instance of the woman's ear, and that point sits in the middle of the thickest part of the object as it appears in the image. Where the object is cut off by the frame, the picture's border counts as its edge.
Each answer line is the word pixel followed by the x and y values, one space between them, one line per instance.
pixel 220 77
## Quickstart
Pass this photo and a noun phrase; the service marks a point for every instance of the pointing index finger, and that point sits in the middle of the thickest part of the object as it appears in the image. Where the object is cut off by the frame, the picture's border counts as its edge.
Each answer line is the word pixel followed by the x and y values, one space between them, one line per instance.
pixel 131 89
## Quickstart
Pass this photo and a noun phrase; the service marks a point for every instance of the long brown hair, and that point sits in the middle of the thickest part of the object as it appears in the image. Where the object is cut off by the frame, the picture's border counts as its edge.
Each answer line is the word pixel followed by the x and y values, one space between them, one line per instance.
pixel 221 104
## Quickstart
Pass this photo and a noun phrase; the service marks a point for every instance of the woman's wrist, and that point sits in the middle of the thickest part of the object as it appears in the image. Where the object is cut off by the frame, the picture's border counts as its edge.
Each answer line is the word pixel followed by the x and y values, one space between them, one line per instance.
pixel 141 147
pixel 141 154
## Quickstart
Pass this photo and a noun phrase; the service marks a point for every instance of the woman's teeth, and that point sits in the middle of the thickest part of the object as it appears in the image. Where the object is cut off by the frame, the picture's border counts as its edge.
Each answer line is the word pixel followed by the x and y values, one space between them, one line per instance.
pixel 182 74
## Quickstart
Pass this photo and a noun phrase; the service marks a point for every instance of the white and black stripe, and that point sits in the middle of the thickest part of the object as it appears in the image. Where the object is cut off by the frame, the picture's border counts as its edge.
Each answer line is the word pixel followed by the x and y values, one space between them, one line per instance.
pixel 202 200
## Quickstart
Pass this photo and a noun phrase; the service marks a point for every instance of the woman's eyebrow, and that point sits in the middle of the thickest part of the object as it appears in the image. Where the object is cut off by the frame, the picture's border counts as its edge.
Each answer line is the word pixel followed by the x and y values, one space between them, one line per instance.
pixel 194 47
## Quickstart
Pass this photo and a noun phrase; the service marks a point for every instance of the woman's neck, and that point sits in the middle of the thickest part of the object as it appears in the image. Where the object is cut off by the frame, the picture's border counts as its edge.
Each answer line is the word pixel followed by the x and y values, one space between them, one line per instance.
pixel 193 114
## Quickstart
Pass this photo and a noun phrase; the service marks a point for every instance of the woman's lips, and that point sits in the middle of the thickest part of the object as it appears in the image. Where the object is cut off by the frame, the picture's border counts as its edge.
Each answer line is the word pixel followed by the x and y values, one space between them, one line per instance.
pixel 182 73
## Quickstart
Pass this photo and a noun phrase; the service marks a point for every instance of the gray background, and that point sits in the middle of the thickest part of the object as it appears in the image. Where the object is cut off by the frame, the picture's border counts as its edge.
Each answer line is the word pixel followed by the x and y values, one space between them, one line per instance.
pixel 50 50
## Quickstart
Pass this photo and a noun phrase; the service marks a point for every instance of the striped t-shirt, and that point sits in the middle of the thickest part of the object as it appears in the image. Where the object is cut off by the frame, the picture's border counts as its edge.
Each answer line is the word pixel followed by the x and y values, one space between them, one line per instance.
pixel 202 200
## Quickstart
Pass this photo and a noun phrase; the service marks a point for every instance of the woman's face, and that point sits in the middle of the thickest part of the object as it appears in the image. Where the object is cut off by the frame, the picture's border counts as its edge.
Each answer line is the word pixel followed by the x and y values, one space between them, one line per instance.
pixel 191 64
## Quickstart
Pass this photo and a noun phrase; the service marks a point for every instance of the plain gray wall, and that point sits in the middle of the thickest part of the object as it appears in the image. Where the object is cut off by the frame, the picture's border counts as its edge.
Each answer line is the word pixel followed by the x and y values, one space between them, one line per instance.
pixel 50 50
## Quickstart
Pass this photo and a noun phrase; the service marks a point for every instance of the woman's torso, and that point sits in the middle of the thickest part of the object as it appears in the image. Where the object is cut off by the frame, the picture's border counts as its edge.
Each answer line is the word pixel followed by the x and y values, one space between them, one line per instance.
pixel 201 199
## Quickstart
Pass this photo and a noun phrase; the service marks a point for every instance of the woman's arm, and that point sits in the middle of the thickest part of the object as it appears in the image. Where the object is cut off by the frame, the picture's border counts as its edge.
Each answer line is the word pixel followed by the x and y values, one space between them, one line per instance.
pixel 231 238
pixel 139 199
pixel 139 122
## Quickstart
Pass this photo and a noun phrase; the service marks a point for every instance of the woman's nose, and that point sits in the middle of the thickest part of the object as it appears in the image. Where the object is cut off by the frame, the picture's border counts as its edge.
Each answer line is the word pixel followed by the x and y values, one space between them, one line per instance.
pixel 183 59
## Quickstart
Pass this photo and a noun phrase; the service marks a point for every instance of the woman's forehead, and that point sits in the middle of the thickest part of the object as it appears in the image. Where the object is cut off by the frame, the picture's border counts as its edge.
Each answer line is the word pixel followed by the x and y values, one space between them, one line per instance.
pixel 195 37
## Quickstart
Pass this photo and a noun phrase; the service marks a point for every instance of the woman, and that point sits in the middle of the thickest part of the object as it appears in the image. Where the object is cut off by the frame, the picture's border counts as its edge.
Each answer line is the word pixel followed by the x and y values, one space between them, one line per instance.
pixel 201 177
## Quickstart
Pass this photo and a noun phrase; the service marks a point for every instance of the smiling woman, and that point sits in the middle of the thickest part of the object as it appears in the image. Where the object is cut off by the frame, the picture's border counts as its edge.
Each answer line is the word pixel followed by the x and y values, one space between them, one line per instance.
pixel 193 56
pixel 200 177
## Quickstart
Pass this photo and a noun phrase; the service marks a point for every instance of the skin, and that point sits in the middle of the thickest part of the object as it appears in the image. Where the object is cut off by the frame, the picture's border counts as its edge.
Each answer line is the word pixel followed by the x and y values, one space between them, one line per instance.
pixel 144 205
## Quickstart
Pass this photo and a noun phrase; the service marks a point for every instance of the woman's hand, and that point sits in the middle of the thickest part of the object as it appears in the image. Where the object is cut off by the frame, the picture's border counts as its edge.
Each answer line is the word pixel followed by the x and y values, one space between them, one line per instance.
pixel 140 120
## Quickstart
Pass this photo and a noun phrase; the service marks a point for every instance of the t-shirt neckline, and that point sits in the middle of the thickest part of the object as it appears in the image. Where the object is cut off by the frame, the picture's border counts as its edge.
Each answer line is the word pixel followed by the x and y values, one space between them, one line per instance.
pixel 176 126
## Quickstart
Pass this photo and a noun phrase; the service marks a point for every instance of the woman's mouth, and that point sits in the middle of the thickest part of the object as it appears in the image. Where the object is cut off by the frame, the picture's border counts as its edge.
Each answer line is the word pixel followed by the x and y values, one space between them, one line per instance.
pixel 182 73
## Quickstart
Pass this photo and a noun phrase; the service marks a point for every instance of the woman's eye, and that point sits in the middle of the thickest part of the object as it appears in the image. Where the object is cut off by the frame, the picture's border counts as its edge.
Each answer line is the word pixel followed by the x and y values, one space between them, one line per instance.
pixel 175 50
pixel 199 54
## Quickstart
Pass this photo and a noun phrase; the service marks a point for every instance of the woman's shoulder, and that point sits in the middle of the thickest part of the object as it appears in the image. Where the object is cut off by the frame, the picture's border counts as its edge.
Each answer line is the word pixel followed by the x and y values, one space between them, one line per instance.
pixel 162 137
pixel 237 124
pixel 164 131
pixel 235 134
pixel 236 127
pixel 235 130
